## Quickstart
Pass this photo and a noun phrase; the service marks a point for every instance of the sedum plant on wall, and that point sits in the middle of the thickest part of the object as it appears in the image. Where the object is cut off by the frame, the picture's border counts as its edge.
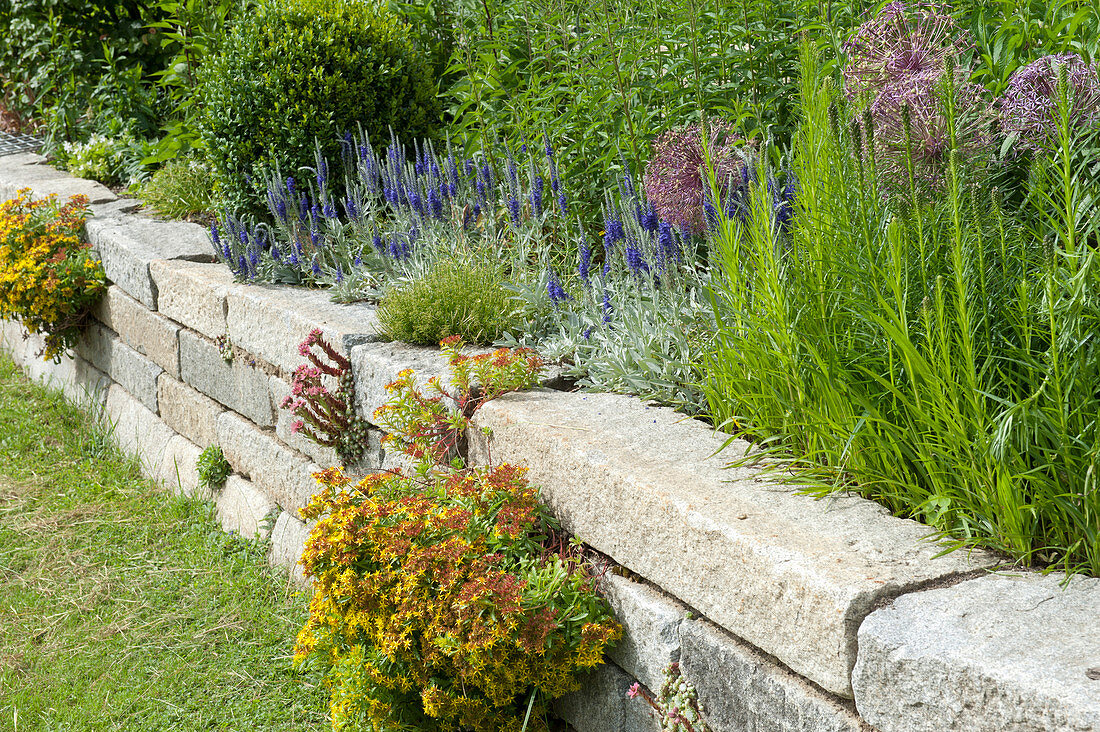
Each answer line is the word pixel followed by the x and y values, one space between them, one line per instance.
pixel 446 599
pixel 49 279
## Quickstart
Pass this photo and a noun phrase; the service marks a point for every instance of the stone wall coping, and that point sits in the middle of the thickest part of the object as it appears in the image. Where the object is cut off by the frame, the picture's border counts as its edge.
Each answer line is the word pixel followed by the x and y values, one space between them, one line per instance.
pixel 650 488
pixel 28 170
pixel 1026 646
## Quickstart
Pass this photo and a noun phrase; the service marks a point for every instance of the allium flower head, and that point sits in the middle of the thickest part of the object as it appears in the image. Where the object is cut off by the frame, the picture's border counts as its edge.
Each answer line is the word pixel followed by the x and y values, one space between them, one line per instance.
pixel 920 97
pixel 676 179
pixel 1029 107
pixel 900 42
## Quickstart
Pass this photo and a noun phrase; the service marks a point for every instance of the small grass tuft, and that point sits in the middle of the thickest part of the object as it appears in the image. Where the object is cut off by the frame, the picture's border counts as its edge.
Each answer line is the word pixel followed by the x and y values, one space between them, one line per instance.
pixel 466 299
pixel 182 189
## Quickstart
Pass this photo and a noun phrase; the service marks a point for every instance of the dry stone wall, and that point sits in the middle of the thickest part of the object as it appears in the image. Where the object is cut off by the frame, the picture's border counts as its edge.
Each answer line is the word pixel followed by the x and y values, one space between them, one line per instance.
pixel 785 613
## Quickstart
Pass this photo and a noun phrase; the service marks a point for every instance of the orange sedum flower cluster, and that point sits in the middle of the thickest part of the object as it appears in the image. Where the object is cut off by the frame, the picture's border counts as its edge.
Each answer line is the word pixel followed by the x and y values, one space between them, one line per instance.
pixel 446 599
pixel 436 606
pixel 48 278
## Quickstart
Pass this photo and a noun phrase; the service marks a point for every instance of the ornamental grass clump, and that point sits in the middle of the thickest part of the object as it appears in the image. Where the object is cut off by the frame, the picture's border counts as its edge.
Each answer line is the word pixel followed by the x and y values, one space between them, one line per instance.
pixel 455 298
pixel 49 278
pixel 936 354
pixel 182 189
pixel 446 599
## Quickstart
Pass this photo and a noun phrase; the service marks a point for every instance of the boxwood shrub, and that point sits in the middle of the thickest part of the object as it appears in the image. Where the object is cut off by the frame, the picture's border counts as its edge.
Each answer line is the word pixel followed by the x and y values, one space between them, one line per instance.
pixel 296 73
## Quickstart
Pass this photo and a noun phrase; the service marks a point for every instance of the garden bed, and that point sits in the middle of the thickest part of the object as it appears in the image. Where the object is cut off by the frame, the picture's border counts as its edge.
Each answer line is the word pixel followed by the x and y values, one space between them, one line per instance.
pixel 785 612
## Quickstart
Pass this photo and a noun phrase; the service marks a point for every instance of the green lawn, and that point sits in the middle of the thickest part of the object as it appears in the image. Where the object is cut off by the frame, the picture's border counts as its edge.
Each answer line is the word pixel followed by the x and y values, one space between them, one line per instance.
pixel 122 607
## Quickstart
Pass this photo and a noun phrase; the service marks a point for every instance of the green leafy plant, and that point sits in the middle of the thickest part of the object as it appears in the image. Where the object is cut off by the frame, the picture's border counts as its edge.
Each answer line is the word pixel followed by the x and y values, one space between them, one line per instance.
pixel 212 467
pixel 926 352
pixel 182 189
pixel 115 162
pixel 189 31
pixel 297 73
pixel 70 64
pixel 455 298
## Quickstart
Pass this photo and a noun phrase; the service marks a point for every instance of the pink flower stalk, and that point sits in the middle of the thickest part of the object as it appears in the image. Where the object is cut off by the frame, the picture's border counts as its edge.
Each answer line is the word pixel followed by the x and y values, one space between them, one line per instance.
pixel 1029 107
pixel 634 690
pixel 900 42
pixel 676 178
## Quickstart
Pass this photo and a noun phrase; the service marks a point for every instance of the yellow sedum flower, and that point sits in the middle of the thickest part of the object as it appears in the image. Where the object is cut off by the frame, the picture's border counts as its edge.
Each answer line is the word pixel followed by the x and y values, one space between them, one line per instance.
pixel 49 280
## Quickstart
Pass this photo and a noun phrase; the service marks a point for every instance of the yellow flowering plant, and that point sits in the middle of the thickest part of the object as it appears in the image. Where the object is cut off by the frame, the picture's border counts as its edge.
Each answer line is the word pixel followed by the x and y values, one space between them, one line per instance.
pixel 447 598
pixel 49 280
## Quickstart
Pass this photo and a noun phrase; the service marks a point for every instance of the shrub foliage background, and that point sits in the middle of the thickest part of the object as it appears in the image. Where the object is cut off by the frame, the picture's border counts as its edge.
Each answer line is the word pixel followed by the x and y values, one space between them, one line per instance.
pixel 300 73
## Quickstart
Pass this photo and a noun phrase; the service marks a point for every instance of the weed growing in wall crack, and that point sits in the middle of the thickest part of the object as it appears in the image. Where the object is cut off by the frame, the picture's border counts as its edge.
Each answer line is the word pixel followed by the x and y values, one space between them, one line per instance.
pixel 676 704
pixel 212 467
pixel 326 416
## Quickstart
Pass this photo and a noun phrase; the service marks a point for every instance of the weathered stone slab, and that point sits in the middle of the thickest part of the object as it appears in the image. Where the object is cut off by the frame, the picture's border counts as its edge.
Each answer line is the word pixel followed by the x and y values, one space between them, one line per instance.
pixel 288 540
pixel 791 575
pixel 241 507
pixel 114 209
pixel 377 364
pixel 127 245
pixel 144 331
pixel 136 373
pixel 601 705
pixel 27 170
pixel 741 690
pixel 193 294
pixel 994 654
pixel 274 468
pixel 237 385
pixel 179 469
pixel 138 431
pixel 270 321
pixel 188 412
pixel 651 628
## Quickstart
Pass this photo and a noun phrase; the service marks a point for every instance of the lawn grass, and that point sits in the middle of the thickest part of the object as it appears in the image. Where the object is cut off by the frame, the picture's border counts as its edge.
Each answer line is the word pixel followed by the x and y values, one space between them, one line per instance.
pixel 122 607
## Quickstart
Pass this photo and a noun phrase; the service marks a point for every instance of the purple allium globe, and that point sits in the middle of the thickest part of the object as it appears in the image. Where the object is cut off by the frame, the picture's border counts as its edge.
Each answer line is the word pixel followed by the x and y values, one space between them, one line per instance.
pixel 922 95
pixel 1029 107
pixel 897 43
pixel 675 177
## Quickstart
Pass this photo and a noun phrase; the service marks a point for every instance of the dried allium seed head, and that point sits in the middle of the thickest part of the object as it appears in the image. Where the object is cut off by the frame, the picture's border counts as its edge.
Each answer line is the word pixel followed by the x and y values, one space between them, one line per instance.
pixel 917 103
pixel 898 42
pixel 675 178
pixel 1029 107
